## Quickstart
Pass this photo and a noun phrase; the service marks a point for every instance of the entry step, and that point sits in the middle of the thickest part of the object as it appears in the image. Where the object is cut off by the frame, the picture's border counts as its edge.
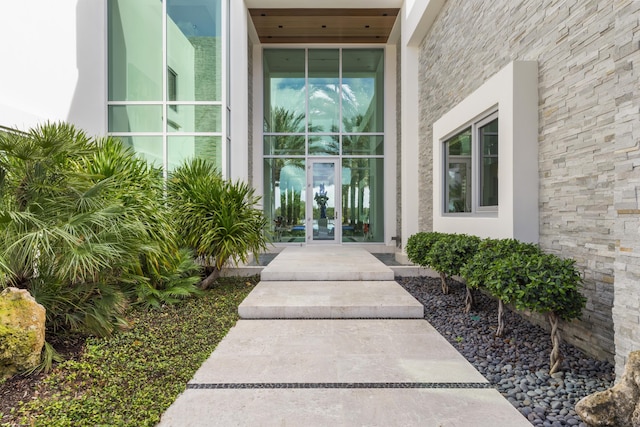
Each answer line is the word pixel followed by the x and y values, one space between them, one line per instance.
pixel 330 300
pixel 320 263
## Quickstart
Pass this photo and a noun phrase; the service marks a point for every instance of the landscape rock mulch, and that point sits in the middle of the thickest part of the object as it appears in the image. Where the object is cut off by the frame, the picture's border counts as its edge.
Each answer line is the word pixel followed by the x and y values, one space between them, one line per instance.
pixel 516 364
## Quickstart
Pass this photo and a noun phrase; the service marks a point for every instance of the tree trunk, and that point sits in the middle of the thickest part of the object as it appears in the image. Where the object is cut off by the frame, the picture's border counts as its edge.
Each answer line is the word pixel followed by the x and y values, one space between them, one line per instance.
pixel 500 329
pixel 208 281
pixel 445 287
pixel 468 301
pixel 555 360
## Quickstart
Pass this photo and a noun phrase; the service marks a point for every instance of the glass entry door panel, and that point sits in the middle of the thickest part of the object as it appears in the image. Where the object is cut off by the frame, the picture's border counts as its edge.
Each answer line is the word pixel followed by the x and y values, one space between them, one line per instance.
pixel 321 208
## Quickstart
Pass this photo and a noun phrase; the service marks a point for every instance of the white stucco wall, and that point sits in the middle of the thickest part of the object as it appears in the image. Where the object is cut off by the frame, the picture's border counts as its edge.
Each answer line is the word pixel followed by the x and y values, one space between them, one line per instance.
pixel 53 63
pixel 513 93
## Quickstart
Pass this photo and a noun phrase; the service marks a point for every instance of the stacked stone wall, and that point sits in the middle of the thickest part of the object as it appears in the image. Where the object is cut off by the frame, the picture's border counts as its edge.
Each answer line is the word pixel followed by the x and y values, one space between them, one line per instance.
pixel 588 133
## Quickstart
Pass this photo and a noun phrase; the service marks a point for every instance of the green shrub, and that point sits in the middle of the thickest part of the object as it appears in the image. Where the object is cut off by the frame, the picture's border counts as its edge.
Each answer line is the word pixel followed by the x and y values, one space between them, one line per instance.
pixel 449 253
pixel 419 245
pixel 218 219
pixel 62 236
pixel 166 271
pixel 539 282
pixel 475 271
pixel 84 228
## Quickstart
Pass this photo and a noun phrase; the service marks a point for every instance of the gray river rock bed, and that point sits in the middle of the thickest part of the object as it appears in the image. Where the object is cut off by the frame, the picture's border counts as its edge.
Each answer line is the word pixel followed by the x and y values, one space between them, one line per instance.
pixel 517 364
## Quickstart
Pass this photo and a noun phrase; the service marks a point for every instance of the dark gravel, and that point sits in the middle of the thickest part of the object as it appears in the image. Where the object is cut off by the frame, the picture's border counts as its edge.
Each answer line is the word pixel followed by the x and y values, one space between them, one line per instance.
pixel 517 364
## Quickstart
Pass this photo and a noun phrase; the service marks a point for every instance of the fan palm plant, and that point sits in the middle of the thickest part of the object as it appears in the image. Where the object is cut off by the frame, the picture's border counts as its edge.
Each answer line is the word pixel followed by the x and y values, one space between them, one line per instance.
pixel 62 237
pixel 169 271
pixel 84 228
pixel 217 218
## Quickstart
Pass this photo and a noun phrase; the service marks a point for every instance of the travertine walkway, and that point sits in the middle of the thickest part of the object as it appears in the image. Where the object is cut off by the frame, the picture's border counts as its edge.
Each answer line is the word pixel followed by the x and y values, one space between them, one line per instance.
pixel 327 338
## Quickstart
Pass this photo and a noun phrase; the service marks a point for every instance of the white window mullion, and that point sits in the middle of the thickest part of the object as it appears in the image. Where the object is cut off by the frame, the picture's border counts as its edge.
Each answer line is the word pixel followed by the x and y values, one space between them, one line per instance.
pixel 165 159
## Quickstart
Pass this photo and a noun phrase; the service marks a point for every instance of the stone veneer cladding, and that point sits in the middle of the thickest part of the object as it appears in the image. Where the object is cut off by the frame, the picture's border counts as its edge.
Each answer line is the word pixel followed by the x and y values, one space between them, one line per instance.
pixel 589 136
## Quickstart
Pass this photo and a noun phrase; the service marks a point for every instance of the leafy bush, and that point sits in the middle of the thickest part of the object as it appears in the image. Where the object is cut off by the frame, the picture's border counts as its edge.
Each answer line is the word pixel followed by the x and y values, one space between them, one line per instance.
pixel 62 237
pixel 450 253
pixel 218 219
pixel 81 227
pixel 169 272
pixel 475 271
pixel 419 245
pixel 539 282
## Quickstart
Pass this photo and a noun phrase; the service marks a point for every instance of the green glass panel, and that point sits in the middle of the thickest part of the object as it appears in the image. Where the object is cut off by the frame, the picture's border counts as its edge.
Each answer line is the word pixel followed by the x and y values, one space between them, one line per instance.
pixel 489 138
pixel 284 90
pixel 489 182
pixel 278 145
pixel 194 52
pixel 194 118
pixel 489 167
pixel 458 185
pixel 363 200
pixel 284 198
pixel 323 91
pixel 181 148
pixel 327 145
pixel 363 145
pixel 362 90
pixel 135 118
pixel 135 50
pixel 146 147
pixel 460 144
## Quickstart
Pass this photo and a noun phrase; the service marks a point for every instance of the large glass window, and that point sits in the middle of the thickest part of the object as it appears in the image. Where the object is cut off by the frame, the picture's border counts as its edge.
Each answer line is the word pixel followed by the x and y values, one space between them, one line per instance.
pixel 324 104
pixel 471 168
pixel 171 97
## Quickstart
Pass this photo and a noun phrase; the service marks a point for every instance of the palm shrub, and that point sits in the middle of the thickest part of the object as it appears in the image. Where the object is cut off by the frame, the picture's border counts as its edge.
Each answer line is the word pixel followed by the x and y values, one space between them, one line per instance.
pixel 419 245
pixel 475 271
pixel 539 282
pixel 217 218
pixel 165 271
pixel 449 254
pixel 62 237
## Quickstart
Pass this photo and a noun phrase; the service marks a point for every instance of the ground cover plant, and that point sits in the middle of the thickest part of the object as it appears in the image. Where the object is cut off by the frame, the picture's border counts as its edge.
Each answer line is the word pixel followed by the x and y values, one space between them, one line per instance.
pixel 131 378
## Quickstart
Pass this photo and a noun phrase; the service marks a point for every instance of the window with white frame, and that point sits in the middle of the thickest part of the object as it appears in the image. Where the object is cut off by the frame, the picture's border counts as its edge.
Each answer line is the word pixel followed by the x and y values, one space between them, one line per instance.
pixel 471 168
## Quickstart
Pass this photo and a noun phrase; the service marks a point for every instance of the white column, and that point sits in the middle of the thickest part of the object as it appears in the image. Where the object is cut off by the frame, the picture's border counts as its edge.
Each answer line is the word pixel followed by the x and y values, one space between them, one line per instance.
pixel 239 91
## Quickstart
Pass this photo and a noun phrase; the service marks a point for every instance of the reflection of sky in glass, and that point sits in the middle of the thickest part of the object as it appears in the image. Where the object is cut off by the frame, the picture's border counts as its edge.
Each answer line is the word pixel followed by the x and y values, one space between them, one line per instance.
pixel 288 93
pixel 357 94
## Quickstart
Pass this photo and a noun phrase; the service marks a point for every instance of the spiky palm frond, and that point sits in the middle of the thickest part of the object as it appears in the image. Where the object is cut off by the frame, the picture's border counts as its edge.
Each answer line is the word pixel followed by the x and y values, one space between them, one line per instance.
pixel 218 219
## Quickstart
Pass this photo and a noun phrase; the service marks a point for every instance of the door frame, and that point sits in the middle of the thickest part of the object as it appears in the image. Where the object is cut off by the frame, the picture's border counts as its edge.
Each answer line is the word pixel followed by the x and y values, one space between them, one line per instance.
pixel 310 202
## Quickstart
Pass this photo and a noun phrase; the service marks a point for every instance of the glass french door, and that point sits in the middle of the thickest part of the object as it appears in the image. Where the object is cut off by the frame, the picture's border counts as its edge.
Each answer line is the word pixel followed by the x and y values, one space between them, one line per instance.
pixel 323 201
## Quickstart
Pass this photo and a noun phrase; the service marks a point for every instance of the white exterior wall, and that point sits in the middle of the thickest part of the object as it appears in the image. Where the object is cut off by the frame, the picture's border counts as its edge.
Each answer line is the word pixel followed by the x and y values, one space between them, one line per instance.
pixel 53 57
pixel 513 93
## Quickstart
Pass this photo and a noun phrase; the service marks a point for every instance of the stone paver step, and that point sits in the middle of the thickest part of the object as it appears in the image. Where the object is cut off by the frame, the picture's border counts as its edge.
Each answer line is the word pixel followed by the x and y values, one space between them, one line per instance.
pixel 339 372
pixel 330 300
pixel 325 263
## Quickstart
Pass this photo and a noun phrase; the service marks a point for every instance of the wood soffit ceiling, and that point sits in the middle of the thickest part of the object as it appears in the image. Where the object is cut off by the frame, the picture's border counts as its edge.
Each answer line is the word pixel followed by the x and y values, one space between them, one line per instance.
pixel 323 25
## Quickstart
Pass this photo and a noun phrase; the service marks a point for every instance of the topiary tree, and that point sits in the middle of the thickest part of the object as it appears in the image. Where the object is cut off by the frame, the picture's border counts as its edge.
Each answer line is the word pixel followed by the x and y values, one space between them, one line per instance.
pixel 475 271
pixel 449 254
pixel 539 282
pixel 217 218
pixel 419 245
